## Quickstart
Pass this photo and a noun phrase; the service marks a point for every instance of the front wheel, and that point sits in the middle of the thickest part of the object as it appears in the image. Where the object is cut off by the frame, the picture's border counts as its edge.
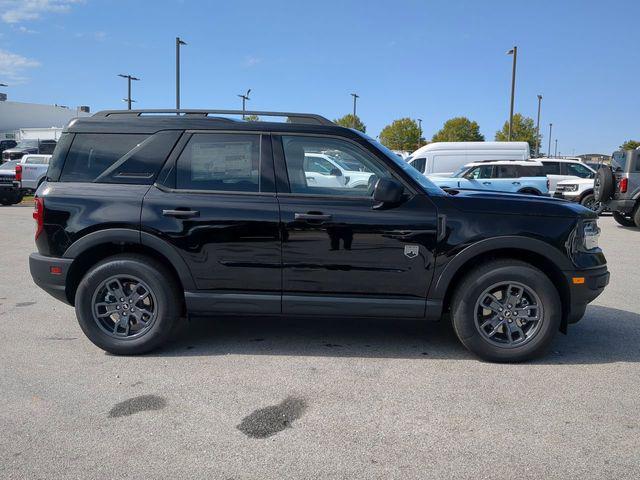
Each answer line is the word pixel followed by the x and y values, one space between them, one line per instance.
pixel 506 311
pixel 590 202
pixel 624 220
pixel 128 304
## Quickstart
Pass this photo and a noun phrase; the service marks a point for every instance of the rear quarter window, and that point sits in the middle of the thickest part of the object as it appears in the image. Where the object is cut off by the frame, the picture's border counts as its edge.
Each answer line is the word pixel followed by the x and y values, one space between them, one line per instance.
pixel 117 158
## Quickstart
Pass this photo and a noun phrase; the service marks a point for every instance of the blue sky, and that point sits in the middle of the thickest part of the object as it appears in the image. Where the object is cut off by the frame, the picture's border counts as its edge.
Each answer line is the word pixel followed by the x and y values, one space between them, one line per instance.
pixel 422 59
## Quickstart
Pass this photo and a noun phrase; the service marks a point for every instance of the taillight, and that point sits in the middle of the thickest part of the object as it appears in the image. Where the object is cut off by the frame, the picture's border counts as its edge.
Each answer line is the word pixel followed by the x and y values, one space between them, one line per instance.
pixel 548 184
pixel 18 173
pixel 38 215
pixel 623 185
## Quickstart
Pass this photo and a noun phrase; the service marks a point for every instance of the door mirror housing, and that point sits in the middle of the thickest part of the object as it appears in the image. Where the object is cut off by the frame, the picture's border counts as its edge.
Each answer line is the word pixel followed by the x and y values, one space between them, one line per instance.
pixel 388 191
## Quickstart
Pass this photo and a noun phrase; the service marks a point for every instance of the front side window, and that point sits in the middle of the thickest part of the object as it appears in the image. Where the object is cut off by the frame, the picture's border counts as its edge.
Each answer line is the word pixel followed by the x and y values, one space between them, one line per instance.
pixel 475 173
pixel 220 162
pixel 311 173
pixel 578 170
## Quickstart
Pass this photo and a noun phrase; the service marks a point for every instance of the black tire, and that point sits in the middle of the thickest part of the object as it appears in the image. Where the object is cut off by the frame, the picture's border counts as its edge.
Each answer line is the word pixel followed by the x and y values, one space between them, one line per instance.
pixel 167 294
pixel 624 220
pixel 529 191
pixel 603 184
pixel 471 289
pixel 636 215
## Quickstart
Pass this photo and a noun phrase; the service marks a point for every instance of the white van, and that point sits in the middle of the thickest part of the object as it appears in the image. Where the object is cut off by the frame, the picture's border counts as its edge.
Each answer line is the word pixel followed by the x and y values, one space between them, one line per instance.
pixel 444 158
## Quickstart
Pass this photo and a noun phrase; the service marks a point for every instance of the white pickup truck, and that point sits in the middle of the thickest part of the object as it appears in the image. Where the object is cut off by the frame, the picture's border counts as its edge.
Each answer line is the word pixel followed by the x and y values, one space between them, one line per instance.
pixel 31 171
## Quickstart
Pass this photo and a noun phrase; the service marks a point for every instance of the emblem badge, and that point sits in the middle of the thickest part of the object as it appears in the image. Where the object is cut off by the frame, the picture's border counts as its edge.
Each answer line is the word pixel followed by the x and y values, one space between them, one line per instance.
pixel 411 251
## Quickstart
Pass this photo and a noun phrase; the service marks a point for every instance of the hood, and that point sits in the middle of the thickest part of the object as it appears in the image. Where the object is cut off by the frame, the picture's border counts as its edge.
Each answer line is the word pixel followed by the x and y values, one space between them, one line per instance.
pixel 577 181
pixel 478 201
pixel 20 150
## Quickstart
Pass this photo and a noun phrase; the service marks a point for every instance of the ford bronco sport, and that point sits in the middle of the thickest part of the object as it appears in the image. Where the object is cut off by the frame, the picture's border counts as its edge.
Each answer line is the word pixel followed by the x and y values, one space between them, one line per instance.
pixel 150 216
pixel 617 187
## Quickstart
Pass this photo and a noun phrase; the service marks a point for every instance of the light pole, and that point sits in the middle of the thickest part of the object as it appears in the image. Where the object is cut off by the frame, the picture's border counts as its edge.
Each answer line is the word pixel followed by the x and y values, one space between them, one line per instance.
pixel 129 78
pixel 355 99
pixel 549 151
pixel 178 43
pixel 555 154
pixel 420 130
pixel 244 98
pixel 514 52
pixel 538 127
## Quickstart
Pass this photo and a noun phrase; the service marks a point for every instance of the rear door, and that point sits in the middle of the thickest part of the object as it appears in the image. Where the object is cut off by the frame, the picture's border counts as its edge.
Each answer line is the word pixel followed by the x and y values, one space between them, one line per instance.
pixel 342 256
pixel 215 204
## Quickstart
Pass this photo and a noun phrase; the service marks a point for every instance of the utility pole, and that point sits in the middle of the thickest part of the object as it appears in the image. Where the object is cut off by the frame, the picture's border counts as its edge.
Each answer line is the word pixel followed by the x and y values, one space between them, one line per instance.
pixel 355 98
pixel 538 127
pixel 129 78
pixel 514 52
pixel 549 151
pixel 178 43
pixel 244 98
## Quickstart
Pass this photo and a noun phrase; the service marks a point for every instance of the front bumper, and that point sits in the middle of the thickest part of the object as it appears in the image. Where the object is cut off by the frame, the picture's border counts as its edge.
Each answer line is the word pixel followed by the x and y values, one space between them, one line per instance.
pixel 564 196
pixel 584 287
pixel 42 271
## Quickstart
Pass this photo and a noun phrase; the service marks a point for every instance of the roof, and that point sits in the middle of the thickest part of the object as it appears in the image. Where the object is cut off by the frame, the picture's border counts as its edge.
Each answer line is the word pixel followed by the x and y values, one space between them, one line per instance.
pixel 526 163
pixel 565 160
pixel 471 146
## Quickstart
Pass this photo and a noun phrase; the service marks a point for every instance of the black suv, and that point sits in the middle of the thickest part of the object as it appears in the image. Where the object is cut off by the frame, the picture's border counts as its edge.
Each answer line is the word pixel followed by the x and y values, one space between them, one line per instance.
pixel 150 216
pixel 24 147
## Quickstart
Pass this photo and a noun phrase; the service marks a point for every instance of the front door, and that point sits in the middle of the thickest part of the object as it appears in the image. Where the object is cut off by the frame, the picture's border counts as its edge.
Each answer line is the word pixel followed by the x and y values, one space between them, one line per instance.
pixel 218 209
pixel 340 255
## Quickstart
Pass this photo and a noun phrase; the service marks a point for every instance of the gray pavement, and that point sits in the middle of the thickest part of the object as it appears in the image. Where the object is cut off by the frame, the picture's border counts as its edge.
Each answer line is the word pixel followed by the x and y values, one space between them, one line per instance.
pixel 295 398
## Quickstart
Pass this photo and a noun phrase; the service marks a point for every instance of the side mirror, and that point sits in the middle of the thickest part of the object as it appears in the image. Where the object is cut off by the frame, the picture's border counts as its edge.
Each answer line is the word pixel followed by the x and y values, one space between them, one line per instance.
pixel 335 172
pixel 388 191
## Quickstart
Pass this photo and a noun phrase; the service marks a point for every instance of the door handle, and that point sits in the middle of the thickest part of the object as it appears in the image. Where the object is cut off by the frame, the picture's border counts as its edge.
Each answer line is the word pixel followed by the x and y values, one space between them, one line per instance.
pixel 515 183
pixel 180 213
pixel 486 183
pixel 311 216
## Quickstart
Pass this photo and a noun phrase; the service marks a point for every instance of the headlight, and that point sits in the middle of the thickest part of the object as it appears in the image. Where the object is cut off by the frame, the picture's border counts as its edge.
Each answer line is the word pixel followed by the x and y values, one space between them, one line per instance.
pixel 568 188
pixel 590 234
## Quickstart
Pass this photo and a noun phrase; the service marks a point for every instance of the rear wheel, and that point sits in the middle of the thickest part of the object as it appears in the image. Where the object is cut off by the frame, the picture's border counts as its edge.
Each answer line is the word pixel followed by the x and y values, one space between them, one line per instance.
pixel 624 220
pixel 128 304
pixel 506 311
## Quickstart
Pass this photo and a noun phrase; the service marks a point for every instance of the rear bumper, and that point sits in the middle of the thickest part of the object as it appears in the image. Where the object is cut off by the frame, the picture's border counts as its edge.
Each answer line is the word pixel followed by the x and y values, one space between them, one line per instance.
pixel 52 283
pixel 623 206
pixel 591 284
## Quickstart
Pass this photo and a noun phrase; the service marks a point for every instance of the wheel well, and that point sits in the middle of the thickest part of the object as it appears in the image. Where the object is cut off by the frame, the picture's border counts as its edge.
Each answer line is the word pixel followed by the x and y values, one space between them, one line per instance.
pixel 585 193
pixel 545 265
pixel 93 255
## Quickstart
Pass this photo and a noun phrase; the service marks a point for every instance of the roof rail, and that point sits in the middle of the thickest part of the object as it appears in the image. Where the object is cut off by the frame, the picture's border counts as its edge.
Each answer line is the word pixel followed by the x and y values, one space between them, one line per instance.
pixel 293 117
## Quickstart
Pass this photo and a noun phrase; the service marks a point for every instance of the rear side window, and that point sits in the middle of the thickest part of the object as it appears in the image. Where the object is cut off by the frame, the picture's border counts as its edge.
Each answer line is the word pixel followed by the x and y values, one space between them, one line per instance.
pixel 551 168
pixel 619 160
pixel 220 162
pixel 531 171
pixel 117 158
pixel 506 171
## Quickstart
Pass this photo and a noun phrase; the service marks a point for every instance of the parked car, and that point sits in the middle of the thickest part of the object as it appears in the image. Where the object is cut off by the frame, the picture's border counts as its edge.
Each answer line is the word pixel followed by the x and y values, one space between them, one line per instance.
pixel 33 171
pixel 10 191
pixel 147 217
pixel 445 158
pixel 7 144
pixel 559 169
pixel 617 187
pixel 498 175
pixel 44 147
pixel 326 170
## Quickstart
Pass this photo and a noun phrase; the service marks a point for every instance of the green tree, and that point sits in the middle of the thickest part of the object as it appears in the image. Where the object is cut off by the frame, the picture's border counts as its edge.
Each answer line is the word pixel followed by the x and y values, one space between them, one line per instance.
pixel 459 129
pixel 252 118
pixel 630 145
pixel 524 130
pixel 351 121
pixel 402 134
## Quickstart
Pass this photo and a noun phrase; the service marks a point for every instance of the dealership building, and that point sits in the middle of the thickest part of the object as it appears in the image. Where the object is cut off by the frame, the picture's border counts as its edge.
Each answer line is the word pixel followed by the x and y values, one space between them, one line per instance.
pixel 15 116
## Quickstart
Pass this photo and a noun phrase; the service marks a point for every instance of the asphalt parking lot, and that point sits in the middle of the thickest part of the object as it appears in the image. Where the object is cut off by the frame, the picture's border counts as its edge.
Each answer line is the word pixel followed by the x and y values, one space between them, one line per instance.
pixel 362 399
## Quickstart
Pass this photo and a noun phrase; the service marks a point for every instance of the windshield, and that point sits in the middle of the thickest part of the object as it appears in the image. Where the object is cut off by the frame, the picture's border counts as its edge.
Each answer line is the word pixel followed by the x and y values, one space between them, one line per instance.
pixel 460 172
pixel 423 181
pixel 27 144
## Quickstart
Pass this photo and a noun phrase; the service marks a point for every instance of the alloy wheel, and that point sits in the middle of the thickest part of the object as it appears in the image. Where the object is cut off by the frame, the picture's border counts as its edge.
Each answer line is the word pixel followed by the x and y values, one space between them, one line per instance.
pixel 508 314
pixel 124 307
